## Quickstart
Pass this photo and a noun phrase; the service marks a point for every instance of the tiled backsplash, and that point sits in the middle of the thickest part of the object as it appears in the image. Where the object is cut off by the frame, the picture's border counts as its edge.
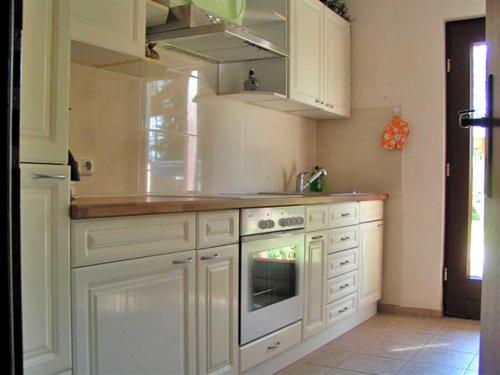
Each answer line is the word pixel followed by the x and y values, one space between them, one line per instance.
pixel 173 135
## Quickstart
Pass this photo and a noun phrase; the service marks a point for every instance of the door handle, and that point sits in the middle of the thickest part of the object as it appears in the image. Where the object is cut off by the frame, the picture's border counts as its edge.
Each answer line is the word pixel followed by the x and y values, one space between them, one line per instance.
pixel 209 257
pixel 465 119
pixel 43 176
pixel 183 261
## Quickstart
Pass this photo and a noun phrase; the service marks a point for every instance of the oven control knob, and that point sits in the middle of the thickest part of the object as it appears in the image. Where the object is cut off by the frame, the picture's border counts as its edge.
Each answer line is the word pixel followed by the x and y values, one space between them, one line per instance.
pixel 294 221
pixel 262 224
pixel 270 224
pixel 288 221
pixel 282 222
pixel 300 220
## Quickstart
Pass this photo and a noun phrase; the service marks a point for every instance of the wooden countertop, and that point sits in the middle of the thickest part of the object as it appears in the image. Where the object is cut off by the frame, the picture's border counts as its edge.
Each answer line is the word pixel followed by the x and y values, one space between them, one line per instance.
pixel 87 208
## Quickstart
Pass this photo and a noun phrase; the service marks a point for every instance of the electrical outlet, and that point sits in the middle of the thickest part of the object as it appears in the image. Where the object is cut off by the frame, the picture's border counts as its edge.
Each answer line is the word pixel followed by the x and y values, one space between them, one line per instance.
pixel 86 167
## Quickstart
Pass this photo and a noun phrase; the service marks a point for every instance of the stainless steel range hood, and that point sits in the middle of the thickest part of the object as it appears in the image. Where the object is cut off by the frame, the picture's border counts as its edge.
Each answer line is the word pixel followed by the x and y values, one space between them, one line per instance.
pixel 200 33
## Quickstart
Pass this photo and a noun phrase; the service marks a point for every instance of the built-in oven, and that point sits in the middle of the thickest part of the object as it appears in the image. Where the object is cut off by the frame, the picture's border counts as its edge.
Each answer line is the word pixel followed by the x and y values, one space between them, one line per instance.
pixel 272 268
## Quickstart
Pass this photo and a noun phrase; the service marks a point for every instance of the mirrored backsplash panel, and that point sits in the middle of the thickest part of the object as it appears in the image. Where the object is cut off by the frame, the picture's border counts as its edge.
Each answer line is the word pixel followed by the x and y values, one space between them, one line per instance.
pixel 174 135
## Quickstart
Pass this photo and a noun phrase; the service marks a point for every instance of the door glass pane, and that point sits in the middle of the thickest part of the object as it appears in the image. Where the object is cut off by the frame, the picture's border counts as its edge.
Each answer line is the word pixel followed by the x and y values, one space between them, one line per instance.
pixel 478 162
pixel 273 276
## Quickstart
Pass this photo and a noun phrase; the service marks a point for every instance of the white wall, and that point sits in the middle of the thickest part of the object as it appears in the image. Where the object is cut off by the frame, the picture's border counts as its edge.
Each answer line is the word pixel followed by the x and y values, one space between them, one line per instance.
pixel 398 54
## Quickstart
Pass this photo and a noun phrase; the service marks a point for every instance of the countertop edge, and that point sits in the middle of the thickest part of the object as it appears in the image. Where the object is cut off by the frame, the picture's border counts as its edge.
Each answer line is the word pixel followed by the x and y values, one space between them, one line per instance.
pixel 88 208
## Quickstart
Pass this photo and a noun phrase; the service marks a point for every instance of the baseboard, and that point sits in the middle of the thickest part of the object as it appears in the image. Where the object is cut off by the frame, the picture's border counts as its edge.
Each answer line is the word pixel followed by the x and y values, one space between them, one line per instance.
pixel 414 311
pixel 311 344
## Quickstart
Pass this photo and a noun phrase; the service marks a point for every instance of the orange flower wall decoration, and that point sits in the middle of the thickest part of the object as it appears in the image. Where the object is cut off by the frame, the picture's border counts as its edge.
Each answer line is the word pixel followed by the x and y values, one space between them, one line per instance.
pixel 395 134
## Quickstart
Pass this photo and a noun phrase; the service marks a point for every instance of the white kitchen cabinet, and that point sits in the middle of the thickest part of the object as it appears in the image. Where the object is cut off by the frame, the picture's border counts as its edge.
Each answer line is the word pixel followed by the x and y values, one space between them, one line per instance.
pixel 117 25
pixel 319 60
pixel 371 246
pixel 135 316
pixel 45 269
pixel 315 283
pixel 217 279
pixel 45 81
pixel 336 49
pixel 306 43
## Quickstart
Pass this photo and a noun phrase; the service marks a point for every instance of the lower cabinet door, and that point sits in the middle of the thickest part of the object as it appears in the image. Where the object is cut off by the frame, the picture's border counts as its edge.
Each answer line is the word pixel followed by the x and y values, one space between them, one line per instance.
pixel 135 316
pixel 315 283
pixel 45 269
pixel 218 310
pixel 370 250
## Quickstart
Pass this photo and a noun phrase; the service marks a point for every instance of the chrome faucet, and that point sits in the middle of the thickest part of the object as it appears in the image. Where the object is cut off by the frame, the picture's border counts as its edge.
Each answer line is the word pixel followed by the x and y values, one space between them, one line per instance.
pixel 302 184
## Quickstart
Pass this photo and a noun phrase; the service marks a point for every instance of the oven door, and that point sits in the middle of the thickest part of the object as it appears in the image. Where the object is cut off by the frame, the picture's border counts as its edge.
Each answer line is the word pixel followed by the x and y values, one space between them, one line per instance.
pixel 272 268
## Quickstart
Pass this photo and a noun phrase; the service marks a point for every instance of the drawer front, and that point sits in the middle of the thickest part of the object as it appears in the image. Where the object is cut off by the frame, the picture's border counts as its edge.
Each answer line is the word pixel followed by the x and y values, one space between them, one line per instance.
pixel 342 308
pixel 316 217
pixel 108 240
pixel 343 238
pixel 342 262
pixel 217 228
pixel 341 286
pixel 267 347
pixel 344 214
pixel 371 211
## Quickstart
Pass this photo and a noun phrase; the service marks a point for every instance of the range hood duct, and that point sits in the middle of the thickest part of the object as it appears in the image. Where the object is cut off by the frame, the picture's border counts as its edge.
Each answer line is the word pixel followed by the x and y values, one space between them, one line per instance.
pixel 198 32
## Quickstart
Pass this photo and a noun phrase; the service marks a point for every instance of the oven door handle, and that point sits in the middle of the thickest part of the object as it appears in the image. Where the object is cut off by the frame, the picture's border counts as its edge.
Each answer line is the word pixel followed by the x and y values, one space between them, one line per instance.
pixel 267 236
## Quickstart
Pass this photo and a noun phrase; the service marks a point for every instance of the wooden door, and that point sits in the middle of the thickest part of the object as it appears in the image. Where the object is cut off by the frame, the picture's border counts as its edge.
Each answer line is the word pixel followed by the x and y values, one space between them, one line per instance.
pixel 217 293
pixel 489 361
pixel 45 269
pixel 45 81
pixel 315 283
pixel 462 294
pixel 118 25
pixel 370 259
pixel 336 50
pixel 306 45
pixel 135 316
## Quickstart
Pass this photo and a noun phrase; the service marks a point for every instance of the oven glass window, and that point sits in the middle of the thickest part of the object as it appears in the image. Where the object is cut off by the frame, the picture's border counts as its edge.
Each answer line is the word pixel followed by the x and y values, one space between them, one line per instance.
pixel 273 276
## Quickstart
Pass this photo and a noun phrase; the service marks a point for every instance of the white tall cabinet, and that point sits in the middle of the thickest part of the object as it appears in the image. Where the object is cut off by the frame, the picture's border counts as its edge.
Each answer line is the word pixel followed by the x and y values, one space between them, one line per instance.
pixel 45 81
pixel 45 269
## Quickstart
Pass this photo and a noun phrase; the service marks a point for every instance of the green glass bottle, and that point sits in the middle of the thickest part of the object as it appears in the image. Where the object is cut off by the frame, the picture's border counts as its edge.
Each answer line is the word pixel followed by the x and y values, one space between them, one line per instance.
pixel 319 185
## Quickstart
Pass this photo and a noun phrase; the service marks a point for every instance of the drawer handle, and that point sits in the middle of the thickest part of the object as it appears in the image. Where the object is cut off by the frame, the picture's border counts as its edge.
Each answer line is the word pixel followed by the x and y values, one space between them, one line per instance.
pixel 43 176
pixel 380 225
pixel 275 346
pixel 345 238
pixel 343 310
pixel 183 261
pixel 208 257
pixel 344 286
pixel 345 262
pixel 316 238
pixel 345 214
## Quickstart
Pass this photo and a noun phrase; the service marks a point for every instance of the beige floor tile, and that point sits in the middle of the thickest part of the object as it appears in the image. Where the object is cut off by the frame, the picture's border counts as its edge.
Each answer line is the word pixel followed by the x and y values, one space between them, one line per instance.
pixel 460 330
pixel 458 344
pixel 444 358
pixel 474 365
pixel 326 357
pixel 348 343
pixel 390 349
pixel 407 336
pixel 368 332
pixel 372 365
pixel 414 368
pixel 425 326
pixel 338 371
pixel 302 368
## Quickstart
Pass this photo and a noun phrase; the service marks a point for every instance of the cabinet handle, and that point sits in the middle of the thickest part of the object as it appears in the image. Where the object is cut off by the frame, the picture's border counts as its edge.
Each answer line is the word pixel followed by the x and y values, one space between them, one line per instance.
pixel 43 176
pixel 344 286
pixel 183 261
pixel 380 225
pixel 208 257
pixel 345 214
pixel 344 262
pixel 345 238
pixel 275 346
pixel 318 100
pixel 343 310
pixel 316 238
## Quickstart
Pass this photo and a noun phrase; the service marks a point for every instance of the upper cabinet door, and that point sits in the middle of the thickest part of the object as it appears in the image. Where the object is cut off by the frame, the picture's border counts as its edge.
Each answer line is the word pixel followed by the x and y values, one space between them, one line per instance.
pixel 45 81
pixel 337 63
pixel 118 25
pixel 45 268
pixel 306 44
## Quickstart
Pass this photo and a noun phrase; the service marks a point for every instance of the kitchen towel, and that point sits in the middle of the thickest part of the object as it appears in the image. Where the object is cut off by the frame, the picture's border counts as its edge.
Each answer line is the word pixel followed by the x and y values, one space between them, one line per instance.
pixel 395 134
